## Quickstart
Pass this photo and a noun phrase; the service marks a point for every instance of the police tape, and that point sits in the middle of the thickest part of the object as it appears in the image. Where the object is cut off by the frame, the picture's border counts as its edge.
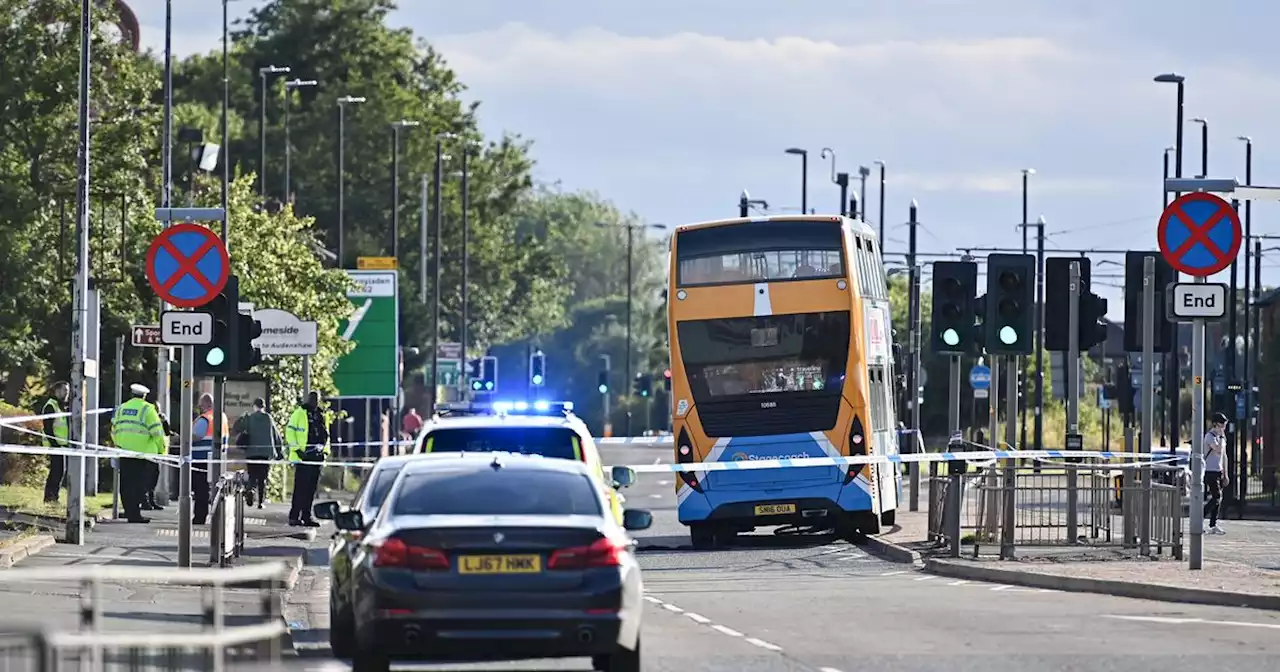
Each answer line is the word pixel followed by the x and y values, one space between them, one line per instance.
pixel 1125 460
pixel 17 420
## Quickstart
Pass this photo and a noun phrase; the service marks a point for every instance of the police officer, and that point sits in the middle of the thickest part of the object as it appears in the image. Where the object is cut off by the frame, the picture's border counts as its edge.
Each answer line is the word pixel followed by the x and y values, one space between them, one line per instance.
pixel 136 427
pixel 202 443
pixel 307 438
pixel 55 436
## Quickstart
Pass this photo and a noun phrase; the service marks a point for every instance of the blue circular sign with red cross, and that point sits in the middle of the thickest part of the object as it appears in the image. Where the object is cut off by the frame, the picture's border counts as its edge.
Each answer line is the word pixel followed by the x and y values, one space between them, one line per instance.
pixel 1199 234
pixel 187 265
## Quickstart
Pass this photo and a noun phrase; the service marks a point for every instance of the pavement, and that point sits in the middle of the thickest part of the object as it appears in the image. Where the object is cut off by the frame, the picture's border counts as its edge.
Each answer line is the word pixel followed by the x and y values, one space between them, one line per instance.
pixel 819 604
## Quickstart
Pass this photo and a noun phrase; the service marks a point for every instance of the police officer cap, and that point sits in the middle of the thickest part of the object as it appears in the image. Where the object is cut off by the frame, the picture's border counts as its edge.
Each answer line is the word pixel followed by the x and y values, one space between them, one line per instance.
pixel 1219 418
pixel 139 390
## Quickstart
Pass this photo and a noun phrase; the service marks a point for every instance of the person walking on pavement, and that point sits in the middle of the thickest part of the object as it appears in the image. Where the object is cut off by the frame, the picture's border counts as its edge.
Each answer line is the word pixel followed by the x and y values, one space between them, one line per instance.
pixel 136 428
pixel 1215 470
pixel 202 443
pixel 307 436
pixel 55 436
pixel 262 441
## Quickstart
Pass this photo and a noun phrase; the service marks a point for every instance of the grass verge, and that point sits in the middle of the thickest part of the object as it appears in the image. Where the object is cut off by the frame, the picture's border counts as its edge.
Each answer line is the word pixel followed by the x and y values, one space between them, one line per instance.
pixel 30 500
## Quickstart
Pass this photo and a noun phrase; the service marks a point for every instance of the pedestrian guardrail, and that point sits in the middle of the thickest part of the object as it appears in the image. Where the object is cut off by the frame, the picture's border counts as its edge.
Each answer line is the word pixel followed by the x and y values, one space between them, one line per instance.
pixel 226 521
pixel 1006 506
pixel 37 649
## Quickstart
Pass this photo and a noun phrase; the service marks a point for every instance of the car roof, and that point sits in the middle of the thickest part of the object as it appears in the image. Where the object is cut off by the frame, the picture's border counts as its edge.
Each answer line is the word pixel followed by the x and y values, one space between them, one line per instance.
pixel 479 461
pixel 504 420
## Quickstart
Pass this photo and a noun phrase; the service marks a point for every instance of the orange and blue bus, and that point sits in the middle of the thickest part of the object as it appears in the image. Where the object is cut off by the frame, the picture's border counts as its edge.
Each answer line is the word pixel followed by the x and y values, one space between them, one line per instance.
pixel 781 347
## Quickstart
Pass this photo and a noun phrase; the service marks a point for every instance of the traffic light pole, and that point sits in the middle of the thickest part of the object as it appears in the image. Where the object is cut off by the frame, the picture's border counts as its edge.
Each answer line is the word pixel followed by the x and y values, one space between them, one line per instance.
pixel 1147 414
pixel 913 364
pixel 184 468
pixel 1071 370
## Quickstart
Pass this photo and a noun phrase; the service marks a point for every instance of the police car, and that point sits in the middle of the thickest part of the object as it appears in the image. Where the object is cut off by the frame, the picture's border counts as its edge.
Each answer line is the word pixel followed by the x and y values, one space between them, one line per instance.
pixel 546 428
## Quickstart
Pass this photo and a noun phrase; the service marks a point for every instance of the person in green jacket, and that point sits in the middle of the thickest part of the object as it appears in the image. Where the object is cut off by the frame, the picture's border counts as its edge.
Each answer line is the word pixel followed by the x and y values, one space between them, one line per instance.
pixel 307 437
pixel 55 436
pixel 136 427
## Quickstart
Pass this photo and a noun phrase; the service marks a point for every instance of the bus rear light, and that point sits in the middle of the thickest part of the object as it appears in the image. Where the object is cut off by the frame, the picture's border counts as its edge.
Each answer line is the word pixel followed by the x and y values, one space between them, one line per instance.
pixel 857 446
pixel 684 455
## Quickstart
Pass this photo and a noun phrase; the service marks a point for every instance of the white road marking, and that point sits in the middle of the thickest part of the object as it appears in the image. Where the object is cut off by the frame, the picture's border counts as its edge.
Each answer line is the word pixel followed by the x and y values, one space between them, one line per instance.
pixel 958 583
pixel 1194 621
pixel 664 482
pixel 654 600
pixel 827 669
pixel 1001 587
pixel 656 496
pixel 763 644
pixel 894 573
pixel 726 631
pixel 672 608
pixel 657 460
pixel 928 577
pixel 697 618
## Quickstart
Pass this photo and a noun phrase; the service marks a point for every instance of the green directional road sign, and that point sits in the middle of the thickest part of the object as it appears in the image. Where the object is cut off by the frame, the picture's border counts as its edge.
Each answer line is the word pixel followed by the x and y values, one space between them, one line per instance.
pixel 372 368
pixel 450 372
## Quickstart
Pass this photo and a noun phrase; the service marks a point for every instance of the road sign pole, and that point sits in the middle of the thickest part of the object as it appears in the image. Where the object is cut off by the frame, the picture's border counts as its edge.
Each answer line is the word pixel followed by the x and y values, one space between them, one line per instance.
pixel 1071 369
pixel 1147 414
pixel 306 375
pixel 913 469
pixel 953 405
pixel 989 505
pixel 184 467
pixel 1197 443
pixel 1010 466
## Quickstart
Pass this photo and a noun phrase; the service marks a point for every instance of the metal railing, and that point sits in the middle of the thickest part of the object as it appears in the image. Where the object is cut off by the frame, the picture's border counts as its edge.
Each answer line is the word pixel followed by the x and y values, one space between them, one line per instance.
pixel 1005 506
pixel 36 649
pixel 226 523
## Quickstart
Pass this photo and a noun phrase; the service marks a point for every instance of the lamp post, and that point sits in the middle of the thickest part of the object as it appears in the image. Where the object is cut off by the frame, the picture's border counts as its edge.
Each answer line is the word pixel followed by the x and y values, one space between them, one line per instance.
pixel 289 86
pixel 804 186
pixel 1204 146
pixel 396 126
pixel 1173 362
pixel 262 126
pixel 1244 429
pixel 863 172
pixel 1022 363
pixel 880 163
pixel 342 169
pixel 839 179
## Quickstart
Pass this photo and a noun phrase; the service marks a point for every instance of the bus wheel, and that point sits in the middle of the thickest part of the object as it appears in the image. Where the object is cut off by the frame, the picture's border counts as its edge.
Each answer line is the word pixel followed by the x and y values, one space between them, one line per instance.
pixel 888 518
pixel 703 536
pixel 855 527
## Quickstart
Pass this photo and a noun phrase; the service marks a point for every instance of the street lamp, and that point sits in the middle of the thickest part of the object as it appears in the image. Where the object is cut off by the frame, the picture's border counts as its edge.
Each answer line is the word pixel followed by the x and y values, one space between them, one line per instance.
pixel 1245 432
pixel 396 126
pixel 1164 195
pixel 1172 361
pixel 289 86
pixel 342 168
pixel 1204 146
pixel 631 229
pixel 863 172
pixel 804 182
pixel 1022 367
pixel 880 163
pixel 262 126
pixel 839 179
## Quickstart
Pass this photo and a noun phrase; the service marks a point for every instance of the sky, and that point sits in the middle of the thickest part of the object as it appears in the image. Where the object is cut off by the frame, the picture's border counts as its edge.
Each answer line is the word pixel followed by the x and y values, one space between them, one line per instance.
pixel 672 108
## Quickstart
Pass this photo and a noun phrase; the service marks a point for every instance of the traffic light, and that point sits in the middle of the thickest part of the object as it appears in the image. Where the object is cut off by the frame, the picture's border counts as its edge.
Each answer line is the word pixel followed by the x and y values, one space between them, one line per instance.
pixel 473 375
pixel 1057 301
pixel 538 369
pixel 1093 313
pixel 955 283
pixel 602 380
pixel 1164 275
pixel 217 358
pixel 1010 304
pixel 666 380
pixel 488 380
pixel 643 385
pixel 244 329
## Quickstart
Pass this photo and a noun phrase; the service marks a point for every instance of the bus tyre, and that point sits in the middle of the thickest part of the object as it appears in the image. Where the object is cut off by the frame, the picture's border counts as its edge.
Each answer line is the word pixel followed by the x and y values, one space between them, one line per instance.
pixel 702 536
pixel 889 518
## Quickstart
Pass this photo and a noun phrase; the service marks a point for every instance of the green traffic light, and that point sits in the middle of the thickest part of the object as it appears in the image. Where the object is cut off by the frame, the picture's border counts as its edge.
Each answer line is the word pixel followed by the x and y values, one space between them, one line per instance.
pixel 604 389
pixel 950 337
pixel 215 357
pixel 1008 335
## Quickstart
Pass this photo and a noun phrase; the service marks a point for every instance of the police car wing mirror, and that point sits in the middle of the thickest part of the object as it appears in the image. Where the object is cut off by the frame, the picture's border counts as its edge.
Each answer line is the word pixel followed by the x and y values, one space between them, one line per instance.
pixel 623 477
pixel 636 519
pixel 351 521
pixel 325 510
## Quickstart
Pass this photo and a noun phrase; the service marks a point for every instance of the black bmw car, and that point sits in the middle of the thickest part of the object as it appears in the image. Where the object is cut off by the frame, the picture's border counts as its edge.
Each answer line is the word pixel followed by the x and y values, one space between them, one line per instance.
pixel 483 557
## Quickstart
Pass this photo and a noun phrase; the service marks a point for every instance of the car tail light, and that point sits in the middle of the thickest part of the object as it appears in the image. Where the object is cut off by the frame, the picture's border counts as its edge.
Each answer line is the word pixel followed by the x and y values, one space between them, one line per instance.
pixel 395 553
pixel 603 553
pixel 684 455
pixel 858 445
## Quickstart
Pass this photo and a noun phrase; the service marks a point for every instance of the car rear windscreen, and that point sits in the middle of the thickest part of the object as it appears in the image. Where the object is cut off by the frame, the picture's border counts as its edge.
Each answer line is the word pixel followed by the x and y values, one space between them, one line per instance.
pixel 501 491
pixel 556 442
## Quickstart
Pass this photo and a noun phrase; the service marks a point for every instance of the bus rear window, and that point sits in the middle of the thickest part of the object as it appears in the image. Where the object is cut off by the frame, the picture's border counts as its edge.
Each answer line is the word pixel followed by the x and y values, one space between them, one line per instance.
pixel 759 252
pixel 556 442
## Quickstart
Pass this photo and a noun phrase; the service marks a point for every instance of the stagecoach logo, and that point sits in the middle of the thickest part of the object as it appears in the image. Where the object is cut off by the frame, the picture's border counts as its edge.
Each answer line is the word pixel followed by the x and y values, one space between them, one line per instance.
pixel 768 404
pixel 498 537
pixel 741 457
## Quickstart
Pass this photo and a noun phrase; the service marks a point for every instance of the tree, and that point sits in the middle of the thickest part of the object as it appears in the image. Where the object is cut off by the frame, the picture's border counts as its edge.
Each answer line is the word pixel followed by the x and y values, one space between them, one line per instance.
pixel 38 168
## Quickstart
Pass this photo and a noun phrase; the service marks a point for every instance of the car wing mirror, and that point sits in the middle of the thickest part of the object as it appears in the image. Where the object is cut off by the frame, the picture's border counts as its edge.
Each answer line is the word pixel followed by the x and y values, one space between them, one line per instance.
pixel 636 519
pixel 326 510
pixel 349 521
pixel 623 477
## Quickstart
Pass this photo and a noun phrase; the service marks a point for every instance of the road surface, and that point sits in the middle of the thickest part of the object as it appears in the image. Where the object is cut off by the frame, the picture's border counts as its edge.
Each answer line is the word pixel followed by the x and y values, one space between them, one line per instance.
pixel 821 605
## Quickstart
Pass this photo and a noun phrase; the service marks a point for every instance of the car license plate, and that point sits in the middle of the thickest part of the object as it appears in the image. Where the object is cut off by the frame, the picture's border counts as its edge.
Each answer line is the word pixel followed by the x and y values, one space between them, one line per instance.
pixel 500 564
pixel 775 509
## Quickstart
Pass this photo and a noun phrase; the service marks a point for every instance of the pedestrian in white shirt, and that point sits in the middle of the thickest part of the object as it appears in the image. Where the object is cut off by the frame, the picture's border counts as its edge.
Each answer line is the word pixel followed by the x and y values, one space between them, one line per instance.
pixel 1215 470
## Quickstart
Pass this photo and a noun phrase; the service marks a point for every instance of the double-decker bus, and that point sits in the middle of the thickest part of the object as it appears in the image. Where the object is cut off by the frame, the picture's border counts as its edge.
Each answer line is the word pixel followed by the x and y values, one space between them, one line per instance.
pixel 781 347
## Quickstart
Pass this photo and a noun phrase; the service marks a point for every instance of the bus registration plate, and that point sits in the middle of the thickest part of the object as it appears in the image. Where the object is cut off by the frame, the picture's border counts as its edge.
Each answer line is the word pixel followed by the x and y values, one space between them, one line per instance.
pixel 775 509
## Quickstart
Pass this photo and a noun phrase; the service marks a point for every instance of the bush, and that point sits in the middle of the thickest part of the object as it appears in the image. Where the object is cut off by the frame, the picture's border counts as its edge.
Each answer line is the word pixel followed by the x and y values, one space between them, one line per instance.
pixel 19 468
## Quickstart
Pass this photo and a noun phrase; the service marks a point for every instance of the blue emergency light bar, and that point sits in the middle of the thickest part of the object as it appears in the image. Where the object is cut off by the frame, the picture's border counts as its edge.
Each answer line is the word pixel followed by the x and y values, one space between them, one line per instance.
pixel 506 407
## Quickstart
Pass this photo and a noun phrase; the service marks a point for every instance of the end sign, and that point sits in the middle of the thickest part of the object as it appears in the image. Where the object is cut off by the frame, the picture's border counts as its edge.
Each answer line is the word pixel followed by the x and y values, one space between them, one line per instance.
pixel 1197 301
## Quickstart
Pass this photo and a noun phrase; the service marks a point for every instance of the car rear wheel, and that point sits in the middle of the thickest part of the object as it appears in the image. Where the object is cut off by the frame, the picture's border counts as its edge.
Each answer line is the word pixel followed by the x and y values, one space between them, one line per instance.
pixel 342 632
pixel 370 661
pixel 622 660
